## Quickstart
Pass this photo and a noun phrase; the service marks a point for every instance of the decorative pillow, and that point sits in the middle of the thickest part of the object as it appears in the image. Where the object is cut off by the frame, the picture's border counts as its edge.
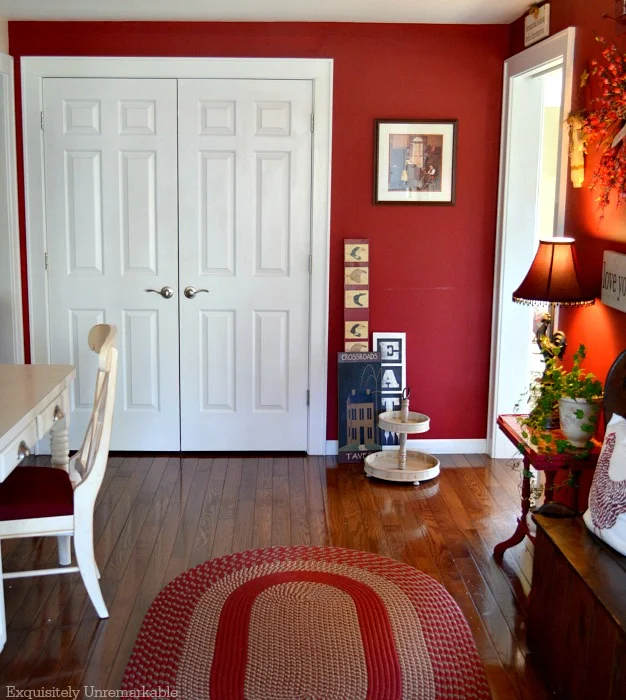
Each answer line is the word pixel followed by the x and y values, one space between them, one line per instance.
pixel 606 515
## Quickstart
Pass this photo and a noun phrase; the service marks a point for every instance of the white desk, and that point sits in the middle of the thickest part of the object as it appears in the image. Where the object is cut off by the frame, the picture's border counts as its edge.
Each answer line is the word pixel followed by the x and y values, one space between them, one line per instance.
pixel 34 399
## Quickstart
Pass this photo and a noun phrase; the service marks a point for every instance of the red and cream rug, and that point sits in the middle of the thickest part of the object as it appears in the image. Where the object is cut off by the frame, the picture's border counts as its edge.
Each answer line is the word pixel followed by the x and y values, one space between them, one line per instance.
pixel 305 622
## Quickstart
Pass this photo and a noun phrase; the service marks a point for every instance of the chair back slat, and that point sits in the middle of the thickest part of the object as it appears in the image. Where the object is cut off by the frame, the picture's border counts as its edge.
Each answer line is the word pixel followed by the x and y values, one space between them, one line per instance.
pixel 93 454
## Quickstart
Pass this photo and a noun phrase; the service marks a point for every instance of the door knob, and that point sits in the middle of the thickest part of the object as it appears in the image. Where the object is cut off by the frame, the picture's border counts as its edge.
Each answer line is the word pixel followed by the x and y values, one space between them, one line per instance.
pixel 190 292
pixel 165 292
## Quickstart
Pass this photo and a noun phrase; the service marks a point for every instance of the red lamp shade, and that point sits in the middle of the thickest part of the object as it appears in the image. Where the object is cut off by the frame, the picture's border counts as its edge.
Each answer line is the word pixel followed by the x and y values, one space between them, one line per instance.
pixel 553 276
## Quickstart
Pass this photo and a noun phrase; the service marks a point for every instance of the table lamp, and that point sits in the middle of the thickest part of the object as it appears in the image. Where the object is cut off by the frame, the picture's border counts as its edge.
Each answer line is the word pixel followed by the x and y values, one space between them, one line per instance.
pixel 552 279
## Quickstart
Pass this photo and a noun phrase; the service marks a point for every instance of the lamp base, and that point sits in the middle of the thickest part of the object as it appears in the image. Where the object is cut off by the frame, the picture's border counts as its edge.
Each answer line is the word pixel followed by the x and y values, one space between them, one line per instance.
pixel 553 346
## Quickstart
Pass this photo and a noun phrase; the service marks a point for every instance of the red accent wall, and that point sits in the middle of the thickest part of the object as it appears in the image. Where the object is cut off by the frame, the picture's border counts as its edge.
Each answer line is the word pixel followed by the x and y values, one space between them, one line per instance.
pixel 601 328
pixel 432 267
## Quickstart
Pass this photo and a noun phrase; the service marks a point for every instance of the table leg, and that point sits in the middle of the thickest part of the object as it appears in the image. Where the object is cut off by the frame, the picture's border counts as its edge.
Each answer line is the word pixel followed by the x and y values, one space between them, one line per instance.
pixel 60 443
pixel 60 448
pixel 521 530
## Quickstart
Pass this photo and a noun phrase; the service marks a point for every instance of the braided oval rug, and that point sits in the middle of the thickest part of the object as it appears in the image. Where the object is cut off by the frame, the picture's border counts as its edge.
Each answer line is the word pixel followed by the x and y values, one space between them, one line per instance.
pixel 305 622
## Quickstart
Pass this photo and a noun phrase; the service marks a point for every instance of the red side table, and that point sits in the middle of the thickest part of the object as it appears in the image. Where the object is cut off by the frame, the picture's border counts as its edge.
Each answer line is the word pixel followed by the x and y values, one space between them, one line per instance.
pixel 550 463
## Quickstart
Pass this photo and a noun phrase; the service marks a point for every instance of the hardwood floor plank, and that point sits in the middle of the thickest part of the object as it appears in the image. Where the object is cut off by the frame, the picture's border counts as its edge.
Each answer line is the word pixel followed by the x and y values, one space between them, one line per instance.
pixel 205 464
pixel 262 531
pixel 225 531
pixel 191 515
pixel 281 520
pixel 315 501
pixel 207 525
pixel 329 477
pixel 298 506
pixel 352 515
pixel 265 473
pixel 244 520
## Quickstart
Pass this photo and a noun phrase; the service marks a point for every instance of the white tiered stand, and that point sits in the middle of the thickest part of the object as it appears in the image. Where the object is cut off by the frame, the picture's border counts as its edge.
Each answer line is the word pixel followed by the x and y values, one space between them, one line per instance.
pixel 403 465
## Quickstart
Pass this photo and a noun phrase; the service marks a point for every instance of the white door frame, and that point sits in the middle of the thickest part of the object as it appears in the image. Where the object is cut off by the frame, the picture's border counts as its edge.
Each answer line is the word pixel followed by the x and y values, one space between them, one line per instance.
pixel 10 246
pixel 318 71
pixel 559 47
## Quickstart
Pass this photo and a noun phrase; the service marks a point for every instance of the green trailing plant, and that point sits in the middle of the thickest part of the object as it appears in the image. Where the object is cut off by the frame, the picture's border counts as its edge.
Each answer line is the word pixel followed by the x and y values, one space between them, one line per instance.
pixel 544 394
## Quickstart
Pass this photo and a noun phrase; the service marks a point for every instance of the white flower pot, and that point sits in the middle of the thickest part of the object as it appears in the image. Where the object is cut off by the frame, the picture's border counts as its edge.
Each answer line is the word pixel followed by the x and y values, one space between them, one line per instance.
pixel 570 423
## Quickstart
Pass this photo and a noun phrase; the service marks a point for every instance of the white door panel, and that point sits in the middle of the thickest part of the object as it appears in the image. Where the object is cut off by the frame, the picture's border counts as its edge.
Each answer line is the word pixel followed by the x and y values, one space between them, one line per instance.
pixel 245 183
pixel 112 233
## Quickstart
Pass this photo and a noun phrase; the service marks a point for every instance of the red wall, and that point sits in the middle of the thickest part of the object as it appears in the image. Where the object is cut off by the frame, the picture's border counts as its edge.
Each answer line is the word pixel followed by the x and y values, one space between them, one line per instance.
pixel 432 267
pixel 601 328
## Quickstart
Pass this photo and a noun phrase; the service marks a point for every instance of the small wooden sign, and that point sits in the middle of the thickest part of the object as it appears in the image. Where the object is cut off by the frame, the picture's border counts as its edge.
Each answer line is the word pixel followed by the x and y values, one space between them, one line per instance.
pixel 614 280
pixel 356 255
pixel 358 382
pixel 392 349
pixel 537 24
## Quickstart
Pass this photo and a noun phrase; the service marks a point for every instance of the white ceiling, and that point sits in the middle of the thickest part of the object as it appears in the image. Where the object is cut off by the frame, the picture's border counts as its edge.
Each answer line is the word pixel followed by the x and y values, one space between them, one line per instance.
pixel 407 11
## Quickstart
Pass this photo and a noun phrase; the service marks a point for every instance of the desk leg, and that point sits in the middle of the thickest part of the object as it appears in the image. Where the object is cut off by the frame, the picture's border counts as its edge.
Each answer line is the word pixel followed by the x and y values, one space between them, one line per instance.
pixel 60 448
pixel 60 444
pixel 522 523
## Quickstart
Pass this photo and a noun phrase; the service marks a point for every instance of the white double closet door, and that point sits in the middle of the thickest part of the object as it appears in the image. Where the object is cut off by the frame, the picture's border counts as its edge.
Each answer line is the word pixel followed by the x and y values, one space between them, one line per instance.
pixel 188 183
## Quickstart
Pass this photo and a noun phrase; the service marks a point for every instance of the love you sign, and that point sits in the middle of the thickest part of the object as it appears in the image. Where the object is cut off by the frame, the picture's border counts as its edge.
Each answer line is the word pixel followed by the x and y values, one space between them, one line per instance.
pixel 614 280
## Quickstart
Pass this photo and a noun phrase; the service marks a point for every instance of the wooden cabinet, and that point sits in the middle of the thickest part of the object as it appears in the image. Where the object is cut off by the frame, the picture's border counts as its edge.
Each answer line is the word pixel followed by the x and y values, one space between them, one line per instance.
pixel 577 613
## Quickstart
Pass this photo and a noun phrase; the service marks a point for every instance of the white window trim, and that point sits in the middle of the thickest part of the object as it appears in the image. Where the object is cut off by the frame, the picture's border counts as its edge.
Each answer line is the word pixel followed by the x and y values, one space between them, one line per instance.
pixel 319 71
pixel 11 266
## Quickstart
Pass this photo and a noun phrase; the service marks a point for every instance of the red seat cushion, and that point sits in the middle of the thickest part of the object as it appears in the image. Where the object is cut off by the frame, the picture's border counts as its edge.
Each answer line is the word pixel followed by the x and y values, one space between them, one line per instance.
pixel 36 492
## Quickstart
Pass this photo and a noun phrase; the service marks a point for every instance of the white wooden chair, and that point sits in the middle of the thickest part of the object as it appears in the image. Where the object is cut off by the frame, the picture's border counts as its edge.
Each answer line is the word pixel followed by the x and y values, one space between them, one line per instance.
pixel 48 501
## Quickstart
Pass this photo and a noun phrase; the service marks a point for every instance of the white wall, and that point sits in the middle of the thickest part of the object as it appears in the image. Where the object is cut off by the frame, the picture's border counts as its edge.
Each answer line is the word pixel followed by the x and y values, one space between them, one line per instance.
pixel 4 35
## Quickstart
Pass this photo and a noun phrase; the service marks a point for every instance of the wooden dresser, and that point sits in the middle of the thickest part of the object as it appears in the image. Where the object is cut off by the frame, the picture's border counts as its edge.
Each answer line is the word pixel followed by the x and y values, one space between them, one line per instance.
pixel 577 612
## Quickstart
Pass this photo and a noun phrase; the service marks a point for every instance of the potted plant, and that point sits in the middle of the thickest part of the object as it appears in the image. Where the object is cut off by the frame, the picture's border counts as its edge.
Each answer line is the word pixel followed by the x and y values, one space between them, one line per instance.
pixel 573 395
pixel 579 404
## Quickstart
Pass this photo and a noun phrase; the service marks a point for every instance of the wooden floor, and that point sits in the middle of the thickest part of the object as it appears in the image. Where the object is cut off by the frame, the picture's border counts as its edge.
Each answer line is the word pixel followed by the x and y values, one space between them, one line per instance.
pixel 157 516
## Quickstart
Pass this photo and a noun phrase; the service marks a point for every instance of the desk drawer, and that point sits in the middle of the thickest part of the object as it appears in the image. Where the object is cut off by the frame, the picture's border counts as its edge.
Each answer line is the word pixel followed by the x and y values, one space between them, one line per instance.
pixel 10 457
pixel 45 419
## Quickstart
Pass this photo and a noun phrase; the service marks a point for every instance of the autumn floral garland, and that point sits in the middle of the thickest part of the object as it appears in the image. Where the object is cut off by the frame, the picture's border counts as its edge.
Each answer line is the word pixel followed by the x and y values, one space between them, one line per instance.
pixel 603 123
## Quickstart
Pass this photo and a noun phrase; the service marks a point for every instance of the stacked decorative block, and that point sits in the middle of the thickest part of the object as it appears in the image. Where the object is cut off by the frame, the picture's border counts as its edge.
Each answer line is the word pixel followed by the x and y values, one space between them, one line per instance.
pixel 356 295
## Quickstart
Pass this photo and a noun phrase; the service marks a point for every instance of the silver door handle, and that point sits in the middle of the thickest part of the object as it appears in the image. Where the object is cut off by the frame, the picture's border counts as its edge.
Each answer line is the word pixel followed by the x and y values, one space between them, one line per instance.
pixel 165 292
pixel 190 292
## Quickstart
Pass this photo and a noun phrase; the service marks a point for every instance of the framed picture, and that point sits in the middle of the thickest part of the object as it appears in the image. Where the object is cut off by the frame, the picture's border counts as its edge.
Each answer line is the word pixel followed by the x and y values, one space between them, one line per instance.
pixel 415 161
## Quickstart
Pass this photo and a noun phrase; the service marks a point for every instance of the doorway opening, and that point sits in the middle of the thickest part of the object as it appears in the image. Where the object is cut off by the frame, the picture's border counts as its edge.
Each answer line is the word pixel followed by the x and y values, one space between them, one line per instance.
pixel 533 184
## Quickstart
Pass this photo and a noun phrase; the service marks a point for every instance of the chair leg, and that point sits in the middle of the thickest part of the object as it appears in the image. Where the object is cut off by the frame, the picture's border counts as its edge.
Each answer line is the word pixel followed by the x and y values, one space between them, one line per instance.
pixel 65 550
pixel 83 544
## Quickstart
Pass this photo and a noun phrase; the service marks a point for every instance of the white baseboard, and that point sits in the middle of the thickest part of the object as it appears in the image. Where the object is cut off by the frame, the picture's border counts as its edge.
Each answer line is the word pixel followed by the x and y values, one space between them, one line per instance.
pixel 435 447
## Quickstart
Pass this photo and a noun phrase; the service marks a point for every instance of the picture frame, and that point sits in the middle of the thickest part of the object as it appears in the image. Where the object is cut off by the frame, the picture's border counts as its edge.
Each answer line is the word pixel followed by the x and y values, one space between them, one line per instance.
pixel 415 161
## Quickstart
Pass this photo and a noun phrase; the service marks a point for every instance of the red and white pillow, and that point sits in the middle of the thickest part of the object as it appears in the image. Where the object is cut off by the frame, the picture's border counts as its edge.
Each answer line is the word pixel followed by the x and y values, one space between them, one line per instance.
pixel 606 515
